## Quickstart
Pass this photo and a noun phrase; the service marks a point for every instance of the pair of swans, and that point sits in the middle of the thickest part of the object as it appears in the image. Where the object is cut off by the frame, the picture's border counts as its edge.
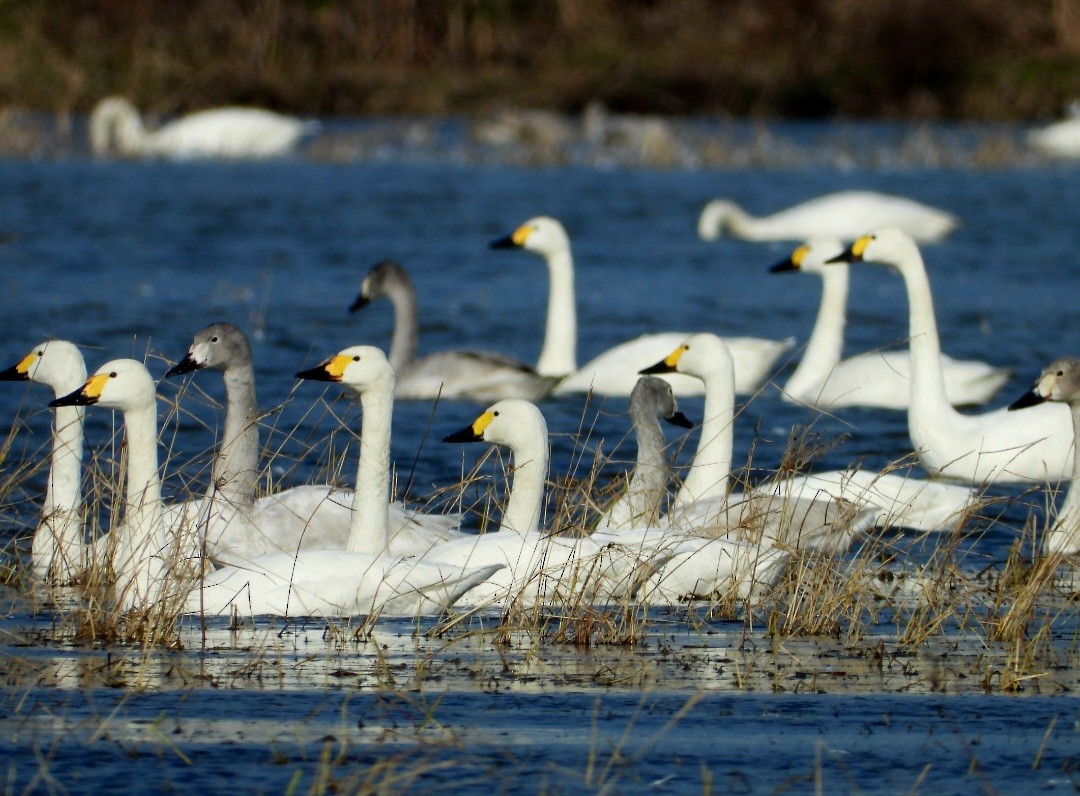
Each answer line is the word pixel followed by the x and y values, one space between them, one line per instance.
pixel 362 579
pixel 1060 382
pixel 226 133
pixel 877 378
pixel 846 215
pixel 995 446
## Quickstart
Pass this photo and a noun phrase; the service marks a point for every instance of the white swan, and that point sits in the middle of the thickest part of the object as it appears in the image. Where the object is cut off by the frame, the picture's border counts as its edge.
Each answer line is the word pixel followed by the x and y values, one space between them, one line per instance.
pixel 704 501
pixel 539 568
pixel 876 378
pixel 640 504
pixel 994 446
pixel 141 544
pixel 228 133
pixel 1058 140
pixel 846 215
pixel 58 553
pixel 614 372
pixel 362 579
pixel 235 526
pixel 1060 382
pixel 470 375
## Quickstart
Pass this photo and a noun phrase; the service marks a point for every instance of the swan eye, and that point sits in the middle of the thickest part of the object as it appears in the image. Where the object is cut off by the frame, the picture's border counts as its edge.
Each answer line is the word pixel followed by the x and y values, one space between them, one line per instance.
pixel 112 375
pixel 214 339
pixel 1061 373
pixel 356 358
pixel 41 353
pixel 496 414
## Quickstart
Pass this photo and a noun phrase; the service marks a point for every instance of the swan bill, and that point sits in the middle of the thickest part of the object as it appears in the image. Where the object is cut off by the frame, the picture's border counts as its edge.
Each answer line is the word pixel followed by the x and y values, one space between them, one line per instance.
pixel 854 253
pixel 680 420
pixel 474 432
pixel 20 371
pixel 667 365
pixel 185 365
pixel 359 303
pixel 331 370
pixel 1030 398
pixel 87 395
pixel 792 263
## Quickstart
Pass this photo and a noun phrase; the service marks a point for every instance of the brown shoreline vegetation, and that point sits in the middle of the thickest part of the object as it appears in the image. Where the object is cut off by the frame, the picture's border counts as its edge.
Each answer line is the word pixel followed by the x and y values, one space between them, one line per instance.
pixel 913 59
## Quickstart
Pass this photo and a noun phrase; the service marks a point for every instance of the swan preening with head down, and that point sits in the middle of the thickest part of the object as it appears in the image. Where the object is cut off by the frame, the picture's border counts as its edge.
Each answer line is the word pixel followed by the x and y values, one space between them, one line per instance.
pixel 846 215
pixel 225 133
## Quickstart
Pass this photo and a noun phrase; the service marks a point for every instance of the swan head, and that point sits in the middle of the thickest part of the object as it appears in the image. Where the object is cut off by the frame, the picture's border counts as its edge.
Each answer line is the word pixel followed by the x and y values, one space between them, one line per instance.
pixel 811 257
pixel 123 384
pixel 1059 381
pixel 701 355
pixel 542 235
pixel 888 245
pixel 714 218
pixel 115 124
pixel 55 363
pixel 361 367
pixel 513 422
pixel 654 396
pixel 219 346
pixel 383 279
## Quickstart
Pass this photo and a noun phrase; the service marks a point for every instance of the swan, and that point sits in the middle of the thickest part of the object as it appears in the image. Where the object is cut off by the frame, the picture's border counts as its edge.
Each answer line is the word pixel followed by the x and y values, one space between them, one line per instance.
pixel 362 579
pixel 1060 382
pixel 846 215
pixel 141 544
pixel 876 378
pixel 470 375
pixel 227 133
pixel 639 506
pixel 614 371
pixel 1059 140
pixel 539 567
pixel 58 553
pixel 703 500
pixel 237 527
pixel 995 446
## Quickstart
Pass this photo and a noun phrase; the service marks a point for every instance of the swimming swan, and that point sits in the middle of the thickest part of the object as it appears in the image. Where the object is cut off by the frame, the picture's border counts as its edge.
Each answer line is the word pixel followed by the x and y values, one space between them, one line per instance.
pixel 228 133
pixel 362 579
pixel 876 378
pixel 540 567
pixel 1058 140
pixel 58 553
pixel 237 527
pixel 775 508
pixel 846 215
pixel 470 375
pixel 984 448
pixel 640 504
pixel 1060 382
pixel 614 372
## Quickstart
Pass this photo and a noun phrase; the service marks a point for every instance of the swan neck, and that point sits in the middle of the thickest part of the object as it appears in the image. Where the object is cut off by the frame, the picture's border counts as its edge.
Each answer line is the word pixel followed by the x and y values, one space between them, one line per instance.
pixel 927 381
pixel 711 465
pixel 369 530
pixel 526 500
pixel 57 547
pixel 825 347
pixel 1063 538
pixel 405 342
pixel 236 467
pixel 558 357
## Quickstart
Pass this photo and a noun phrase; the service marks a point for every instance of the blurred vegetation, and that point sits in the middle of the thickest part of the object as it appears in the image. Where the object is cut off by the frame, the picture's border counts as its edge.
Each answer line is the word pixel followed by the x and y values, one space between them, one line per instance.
pixel 985 59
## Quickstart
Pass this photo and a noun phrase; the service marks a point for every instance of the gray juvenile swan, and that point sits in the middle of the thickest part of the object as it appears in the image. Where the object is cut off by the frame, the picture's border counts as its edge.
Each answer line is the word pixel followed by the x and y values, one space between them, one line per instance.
pixel 639 506
pixel 237 526
pixel 1060 382
pixel 469 375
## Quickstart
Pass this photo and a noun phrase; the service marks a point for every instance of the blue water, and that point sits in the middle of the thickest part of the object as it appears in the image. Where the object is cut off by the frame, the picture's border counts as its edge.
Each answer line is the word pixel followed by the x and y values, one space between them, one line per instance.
pixel 131 259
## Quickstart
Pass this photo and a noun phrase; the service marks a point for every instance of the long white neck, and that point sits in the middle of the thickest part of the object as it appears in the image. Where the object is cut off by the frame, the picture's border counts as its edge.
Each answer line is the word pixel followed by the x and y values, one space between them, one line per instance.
pixel 369 529
pixel 1065 537
pixel 928 404
pixel 559 354
pixel 711 466
pixel 526 501
pixel 405 342
pixel 236 467
pixel 826 344
pixel 143 542
pixel 58 552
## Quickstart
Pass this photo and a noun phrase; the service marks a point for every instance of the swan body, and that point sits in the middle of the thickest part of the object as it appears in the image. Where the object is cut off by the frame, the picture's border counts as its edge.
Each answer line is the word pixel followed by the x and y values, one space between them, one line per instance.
pixel 467 375
pixel 58 553
pixel 846 215
pixel 363 579
pixel 613 372
pixel 226 133
pixel 640 504
pixel 877 378
pixel 995 446
pixel 539 568
pixel 1060 139
pixel 1060 382
pixel 234 525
